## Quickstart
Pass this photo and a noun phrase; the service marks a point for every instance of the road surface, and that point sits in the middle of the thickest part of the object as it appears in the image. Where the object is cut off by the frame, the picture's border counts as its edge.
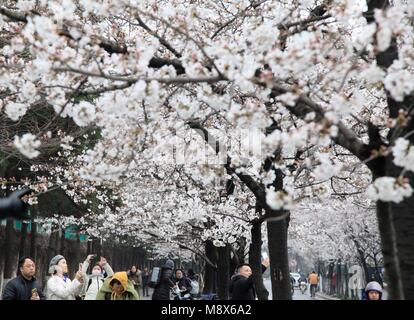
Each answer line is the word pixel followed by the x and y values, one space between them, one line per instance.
pixel 296 296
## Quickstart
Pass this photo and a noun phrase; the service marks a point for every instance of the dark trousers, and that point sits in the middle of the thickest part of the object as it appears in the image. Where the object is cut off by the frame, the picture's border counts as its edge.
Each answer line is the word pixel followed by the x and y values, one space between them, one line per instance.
pixel 145 290
pixel 313 289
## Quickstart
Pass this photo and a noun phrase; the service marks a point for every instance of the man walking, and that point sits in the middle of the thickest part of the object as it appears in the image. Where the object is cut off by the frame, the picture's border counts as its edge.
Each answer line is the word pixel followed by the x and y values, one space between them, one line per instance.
pixel 313 281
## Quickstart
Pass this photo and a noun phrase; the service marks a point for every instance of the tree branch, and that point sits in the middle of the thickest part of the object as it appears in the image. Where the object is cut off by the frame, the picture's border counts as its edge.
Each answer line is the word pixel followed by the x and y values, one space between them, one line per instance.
pixel 108 45
pixel 255 187
pixel 13 15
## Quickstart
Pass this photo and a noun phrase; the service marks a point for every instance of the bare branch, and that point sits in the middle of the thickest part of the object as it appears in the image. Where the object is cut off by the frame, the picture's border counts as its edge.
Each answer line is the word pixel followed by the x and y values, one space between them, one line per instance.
pixel 13 15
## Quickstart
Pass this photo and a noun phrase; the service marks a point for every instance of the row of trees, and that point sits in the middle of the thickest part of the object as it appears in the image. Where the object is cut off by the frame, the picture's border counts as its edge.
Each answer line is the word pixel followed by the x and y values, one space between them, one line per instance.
pixel 185 125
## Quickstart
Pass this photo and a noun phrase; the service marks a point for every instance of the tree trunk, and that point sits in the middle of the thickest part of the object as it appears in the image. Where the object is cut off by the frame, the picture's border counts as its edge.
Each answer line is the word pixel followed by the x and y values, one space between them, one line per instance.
pixel 234 261
pixel 403 218
pixel 223 268
pixel 52 248
pixel 97 247
pixel 33 235
pixel 255 261
pixel 11 250
pixel 2 257
pixel 399 217
pixel 389 251
pixel 78 247
pixel 62 247
pixel 115 255
pixel 241 250
pixel 278 254
pixel 209 276
pixel 23 237
pixel 363 262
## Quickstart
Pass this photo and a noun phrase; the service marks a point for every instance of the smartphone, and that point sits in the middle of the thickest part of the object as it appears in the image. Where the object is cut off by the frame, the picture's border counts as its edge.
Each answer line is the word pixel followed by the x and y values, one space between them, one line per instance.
pixel 34 291
pixel 264 255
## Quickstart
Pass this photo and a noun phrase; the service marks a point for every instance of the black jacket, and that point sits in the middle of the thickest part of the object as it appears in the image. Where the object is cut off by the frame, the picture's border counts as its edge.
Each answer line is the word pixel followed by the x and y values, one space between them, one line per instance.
pixel 162 290
pixel 20 288
pixel 242 288
pixel 145 278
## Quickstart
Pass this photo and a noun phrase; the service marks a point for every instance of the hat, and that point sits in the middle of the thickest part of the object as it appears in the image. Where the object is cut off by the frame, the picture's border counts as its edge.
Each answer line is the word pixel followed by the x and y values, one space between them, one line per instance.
pixel 121 277
pixel 169 264
pixel 53 263
pixel 373 286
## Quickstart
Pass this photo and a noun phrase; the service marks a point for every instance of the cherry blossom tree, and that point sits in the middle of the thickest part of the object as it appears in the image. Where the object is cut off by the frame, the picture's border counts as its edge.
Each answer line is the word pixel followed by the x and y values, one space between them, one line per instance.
pixel 315 79
pixel 335 229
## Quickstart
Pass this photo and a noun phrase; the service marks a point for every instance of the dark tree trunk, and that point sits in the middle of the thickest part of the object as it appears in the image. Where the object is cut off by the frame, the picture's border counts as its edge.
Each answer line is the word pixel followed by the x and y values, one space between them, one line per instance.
pixel 125 259
pixel 223 269
pixel 255 261
pixel 77 253
pixel 241 250
pixel 399 217
pixel 389 251
pixel 210 272
pixel 62 246
pixel 23 238
pixel 234 261
pixel 52 248
pixel 33 235
pixel 115 255
pixel 97 247
pixel 278 254
pixel 362 259
pixel 11 250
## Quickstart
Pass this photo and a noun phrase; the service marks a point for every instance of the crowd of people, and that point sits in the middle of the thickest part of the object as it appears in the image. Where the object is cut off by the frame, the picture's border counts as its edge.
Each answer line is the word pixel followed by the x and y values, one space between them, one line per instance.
pixel 102 283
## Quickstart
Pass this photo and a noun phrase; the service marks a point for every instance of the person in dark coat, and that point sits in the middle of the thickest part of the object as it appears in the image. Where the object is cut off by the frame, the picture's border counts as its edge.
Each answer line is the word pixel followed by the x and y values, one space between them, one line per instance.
pixel 24 286
pixel 182 282
pixel 241 284
pixel 162 290
pixel 145 279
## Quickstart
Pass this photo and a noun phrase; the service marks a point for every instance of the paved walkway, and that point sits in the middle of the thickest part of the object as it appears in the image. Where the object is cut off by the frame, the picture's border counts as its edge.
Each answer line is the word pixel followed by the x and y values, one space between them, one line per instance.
pixel 150 290
pixel 296 296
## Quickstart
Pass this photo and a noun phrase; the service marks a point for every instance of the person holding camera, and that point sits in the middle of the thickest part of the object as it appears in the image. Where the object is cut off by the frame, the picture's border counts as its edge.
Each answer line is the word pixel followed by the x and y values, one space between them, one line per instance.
pixel 241 284
pixel 95 280
pixel 59 286
pixel 24 286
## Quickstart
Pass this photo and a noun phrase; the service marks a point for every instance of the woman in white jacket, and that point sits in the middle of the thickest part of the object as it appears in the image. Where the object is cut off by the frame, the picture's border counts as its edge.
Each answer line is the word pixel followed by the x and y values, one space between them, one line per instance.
pixel 95 280
pixel 59 286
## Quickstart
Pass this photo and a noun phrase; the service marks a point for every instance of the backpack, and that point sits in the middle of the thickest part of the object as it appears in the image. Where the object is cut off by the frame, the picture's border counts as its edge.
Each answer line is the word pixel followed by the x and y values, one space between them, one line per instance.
pixel 155 277
pixel 195 287
pixel 90 282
